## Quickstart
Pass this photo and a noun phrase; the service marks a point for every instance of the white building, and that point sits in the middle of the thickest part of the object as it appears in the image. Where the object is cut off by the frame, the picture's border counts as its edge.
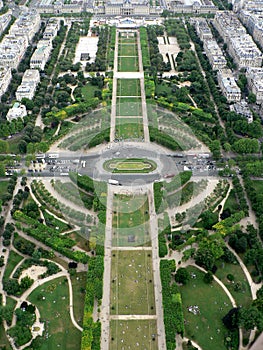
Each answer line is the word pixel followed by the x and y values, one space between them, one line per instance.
pixel 17 111
pixel 40 56
pixel 255 82
pixel 242 108
pixel 202 28
pixel 245 52
pixel 4 21
pixel 27 24
pixel 51 29
pixel 228 85
pixel 12 50
pixel 27 89
pixel 214 54
pixel 5 78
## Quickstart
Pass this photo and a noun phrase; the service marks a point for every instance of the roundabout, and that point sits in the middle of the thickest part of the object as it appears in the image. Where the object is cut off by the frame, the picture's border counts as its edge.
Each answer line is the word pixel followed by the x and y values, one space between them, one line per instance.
pixel 130 165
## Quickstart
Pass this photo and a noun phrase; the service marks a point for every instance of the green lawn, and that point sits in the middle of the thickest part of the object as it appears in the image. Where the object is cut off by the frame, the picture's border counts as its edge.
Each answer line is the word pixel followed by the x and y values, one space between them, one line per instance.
pixel 3 188
pixel 206 328
pixel 129 128
pixel 54 310
pixel 231 202
pixel 4 343
pixel 258 185
pixel 13 144
pixel 127 40
pixel 127 49
pixel 128 87
pixel 79 285
pixel 12 261
pixel 88 91
pixel 135 334
pixel 128 106
pixel 128 64
pixel 239 288
pixel 130 221
pixel 132 290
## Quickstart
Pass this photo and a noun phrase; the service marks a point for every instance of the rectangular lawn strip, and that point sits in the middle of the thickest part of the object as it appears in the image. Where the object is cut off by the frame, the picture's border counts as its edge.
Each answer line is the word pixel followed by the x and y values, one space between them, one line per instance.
pixel 128 64
pixel 206 327
pixel 128 106
pixel 239 288
pixel 133 334
pixel 12 261
pixel 78 281
pixel 54 311
pixel 132 291
pixel 130 212
pixel 4 343
pixel 128 87
pixel 258 185
pixel 129 40
pixel 129 128
pixel 3 188
pixel 128 49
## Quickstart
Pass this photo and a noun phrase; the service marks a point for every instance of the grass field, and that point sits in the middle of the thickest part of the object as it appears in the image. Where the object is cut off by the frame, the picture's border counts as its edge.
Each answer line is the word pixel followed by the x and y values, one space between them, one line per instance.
pixel 127 40
pixel 79 285
pixel 130 218
pixel 127 49
pixel 242 296
pixel 132 290
pixel 12 261
pixel 4 343
pixel 231 202
pixel 128 87
pixel 129 165
pixel 135 334
pixel 258 185
pixel 54 310
pixel 129 106
pixel 129 128
pixel 128 64
pixel 3 188
pixel 88 91
pixel 206 328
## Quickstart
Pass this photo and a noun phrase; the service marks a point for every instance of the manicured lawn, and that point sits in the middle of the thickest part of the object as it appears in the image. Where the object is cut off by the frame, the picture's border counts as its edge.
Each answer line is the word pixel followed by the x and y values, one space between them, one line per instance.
pixel 129 165
pixel 81 242
pixel 3 188
pixel 129 128
pixel 132 291
pixel 231 202
pixel 88 91
pixel 127 39
pixel 79 285
pixel 130 221
pixel 127 49
pixel 128 64
pixel 128 87
pixel 206 328
pixel 54 310
pixel 13 144
pixel 135 334
pixel 129 106
pixel 239 288
pixel 4 343
pixel 12 261
pixel 258 185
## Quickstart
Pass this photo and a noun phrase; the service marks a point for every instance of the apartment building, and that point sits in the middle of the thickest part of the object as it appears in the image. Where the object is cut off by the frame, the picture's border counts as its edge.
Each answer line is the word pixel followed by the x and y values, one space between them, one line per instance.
pixel 4 21
pixel 214 55
pixel 12 50
pixel 240 44
pixel 202 28
pixel 5 78
pixel 27 24
pixel 255 82
pixel 28 86
pixel 228 85
pixel 242 108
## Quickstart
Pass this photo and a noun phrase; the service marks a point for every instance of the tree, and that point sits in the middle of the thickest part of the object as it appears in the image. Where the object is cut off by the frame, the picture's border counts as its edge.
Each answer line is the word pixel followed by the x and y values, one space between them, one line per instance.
pixel 182 275
pixel 208 252
pixel 246 146
pixel 2 169
pixel 208 277
pixel 230 320
pixel 4 146
pixel 250 317
pixel 252 98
